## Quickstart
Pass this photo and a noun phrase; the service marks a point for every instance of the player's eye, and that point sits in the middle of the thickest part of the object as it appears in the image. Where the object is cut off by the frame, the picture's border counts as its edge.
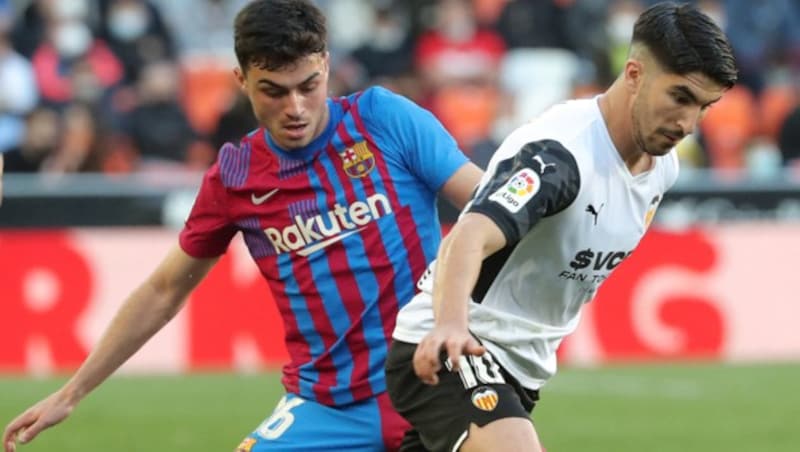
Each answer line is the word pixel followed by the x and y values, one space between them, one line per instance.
pixel 681 100
pixel 274 93
pixel 308 88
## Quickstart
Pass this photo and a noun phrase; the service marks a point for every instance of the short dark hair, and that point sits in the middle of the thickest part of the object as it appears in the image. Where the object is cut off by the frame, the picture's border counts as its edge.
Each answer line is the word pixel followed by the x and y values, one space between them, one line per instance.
pixel 685 40
pixel 273 34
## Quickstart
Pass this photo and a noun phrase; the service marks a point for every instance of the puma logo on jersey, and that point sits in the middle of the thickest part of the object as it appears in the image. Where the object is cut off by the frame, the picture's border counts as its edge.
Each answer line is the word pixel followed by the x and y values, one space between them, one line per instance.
pixel 595 212
pixel 542 165
pixel 307 235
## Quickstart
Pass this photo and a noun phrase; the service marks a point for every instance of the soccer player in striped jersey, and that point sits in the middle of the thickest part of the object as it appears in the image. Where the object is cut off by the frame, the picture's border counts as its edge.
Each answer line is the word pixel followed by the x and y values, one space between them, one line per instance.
pixel 565 200
pixel 336 201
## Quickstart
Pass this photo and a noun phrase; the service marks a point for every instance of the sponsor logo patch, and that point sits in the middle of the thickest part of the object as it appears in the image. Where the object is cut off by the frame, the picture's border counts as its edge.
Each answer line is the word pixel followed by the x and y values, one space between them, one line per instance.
pixel 519 190
pixel 246 445
pixel 357 161
pixel 485 398
pixel 310 234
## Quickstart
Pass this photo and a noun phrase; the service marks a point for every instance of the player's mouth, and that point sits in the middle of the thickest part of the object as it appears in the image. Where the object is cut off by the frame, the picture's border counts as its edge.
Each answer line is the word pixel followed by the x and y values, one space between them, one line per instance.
pixel 673 138
pixel 295 131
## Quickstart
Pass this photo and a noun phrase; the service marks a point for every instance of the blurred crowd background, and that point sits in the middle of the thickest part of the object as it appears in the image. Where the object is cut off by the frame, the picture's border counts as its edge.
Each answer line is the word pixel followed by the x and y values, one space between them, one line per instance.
pixel 130 86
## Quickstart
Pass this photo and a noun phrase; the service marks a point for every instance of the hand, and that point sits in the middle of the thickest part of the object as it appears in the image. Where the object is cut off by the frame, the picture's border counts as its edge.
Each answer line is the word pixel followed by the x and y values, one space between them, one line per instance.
pixel 456 340
pixel 44 414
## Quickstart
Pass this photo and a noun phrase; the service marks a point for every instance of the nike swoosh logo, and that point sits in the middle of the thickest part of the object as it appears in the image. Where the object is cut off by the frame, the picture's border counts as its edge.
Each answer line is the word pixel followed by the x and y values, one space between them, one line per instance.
pixel 258 200
pixel 325 243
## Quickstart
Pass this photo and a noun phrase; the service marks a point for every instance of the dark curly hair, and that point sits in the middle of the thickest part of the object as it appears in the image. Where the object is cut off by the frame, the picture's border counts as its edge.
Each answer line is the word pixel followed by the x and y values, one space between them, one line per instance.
pixel 274 34
pixel 685 40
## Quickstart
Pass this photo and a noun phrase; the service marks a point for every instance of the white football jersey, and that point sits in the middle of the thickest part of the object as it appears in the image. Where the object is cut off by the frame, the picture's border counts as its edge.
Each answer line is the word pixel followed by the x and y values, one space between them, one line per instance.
pixel 571 212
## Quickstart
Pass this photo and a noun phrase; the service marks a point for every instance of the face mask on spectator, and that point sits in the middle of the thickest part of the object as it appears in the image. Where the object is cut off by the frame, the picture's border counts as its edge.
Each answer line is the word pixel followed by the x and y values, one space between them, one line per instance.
pixel 73 9
pixel 128 23
pixel 458 30
pixel 72 39
pixel 388 37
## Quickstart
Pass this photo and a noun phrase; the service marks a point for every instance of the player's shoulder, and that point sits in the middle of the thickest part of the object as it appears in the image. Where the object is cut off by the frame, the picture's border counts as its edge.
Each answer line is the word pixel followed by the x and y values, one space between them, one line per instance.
pixel 566 120
pixel 562 123
pixel 234 159
pixel 565 132
pixel 377 102
pixel 379 93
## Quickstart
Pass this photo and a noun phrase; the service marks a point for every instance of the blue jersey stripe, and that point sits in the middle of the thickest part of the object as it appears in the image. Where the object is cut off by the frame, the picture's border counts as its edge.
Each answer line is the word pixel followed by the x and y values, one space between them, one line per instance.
pixel 354 248
pixel 305 323
pixel 373 323
pixel 333 303
pixel 423 208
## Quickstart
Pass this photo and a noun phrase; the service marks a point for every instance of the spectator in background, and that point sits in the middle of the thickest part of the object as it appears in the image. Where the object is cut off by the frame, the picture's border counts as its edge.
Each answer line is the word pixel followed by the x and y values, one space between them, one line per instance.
pixel 70 48
pixel 136 33
pixel 30 29
pixel 18 93
pixel 202 27
pixel 158 126
pixel 534 23
pixel 236 121
pixel 42 136
pixel 457 62
pixel 765 35
pixel 76 150
pixel 456 49
pixel 622 15
pixel 789 140
pixel 387 56
pixel 348 23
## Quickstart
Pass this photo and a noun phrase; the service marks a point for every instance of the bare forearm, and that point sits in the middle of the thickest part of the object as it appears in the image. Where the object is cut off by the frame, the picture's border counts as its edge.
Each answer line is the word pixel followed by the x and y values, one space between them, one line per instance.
pixel 457 269
pixel 458 266
pixel 143 314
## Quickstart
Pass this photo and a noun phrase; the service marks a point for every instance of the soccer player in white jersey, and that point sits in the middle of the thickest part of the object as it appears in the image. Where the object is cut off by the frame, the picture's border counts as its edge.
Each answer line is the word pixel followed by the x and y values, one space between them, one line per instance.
pixel 565 200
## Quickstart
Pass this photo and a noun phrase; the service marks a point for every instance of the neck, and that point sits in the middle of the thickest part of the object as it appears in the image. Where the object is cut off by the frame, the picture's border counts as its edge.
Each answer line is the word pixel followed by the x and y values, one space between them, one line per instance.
pixel 323 123
pixel 615 106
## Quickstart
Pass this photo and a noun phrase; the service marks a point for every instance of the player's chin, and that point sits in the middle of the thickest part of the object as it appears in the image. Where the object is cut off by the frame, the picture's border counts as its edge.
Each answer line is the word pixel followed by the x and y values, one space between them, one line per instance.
pixel 659 150
pixel 293 142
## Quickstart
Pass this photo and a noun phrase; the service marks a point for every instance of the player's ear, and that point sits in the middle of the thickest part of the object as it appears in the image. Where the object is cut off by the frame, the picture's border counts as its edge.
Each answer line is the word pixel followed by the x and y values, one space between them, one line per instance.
pixel 634 74
pixel 240 79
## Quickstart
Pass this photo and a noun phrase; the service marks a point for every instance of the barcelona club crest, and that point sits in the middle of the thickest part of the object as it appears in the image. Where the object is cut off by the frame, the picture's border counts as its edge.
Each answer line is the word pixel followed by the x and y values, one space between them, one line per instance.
pixel 357 160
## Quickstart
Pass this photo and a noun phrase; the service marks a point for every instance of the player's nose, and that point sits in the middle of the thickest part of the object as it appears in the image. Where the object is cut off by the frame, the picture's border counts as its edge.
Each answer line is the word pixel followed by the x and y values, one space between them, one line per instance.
pixel 689 120
pixel 294 105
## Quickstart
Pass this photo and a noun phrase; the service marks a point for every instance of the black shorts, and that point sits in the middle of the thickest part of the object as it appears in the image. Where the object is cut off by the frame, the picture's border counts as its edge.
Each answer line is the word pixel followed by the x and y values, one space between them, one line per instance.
pixel 440 416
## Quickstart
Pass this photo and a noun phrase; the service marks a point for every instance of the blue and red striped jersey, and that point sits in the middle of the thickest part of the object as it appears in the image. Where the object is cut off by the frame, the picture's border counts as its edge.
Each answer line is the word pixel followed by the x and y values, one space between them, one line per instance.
pixel 341 230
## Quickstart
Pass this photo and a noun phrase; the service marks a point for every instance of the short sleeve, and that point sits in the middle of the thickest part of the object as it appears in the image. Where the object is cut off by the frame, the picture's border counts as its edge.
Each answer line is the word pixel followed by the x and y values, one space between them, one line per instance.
pixel 207 232
pixel 428 150
pixel 539 180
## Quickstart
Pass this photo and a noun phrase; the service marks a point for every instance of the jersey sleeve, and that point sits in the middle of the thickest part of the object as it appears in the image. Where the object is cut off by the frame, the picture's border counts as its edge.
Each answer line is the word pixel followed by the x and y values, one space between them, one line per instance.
pixel 539 180
pixel 207 231
pixel 425 147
